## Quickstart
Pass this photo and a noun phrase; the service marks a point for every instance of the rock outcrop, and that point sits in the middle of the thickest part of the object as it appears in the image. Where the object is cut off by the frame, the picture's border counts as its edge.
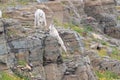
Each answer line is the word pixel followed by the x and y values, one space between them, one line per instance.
pixel 106 15
pixel 103 63
pixel 39 55
pixel 103 11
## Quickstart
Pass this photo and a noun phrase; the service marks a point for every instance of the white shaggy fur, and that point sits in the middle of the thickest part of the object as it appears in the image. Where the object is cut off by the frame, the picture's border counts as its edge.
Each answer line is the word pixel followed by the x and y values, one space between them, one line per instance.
pixel 40 19
pixel 81 1
pixel 53 32
pixel 38 1
pixel 0 14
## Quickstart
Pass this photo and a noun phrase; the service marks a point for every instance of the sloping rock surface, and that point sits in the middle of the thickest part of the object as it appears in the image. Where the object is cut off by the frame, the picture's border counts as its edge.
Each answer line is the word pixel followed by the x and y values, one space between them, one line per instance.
pixel 39 55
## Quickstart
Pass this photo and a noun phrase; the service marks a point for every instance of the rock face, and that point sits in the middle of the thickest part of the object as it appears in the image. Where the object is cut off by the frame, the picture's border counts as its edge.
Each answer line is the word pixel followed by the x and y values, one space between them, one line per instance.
pixel 79 69
pixel 25 14
pixel 113 31
pixel 99 6
pixel 106 15
pixel 105 63
pixel 103 11
pixel 73 11
pixel 39 55
pixel 72 41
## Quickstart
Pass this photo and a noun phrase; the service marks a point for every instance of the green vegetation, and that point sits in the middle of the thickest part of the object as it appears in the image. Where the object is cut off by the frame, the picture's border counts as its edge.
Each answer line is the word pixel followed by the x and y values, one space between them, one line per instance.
pixel 23 2
pixel 107 75
pixel 115 53
pixel 82 30
pixel 118 18
pixel 103 42
pixel 57 23
pixel 102 52
pixel 22 62
pixel 74 27
pixel 6 76
pixel 11 32
pixel 22 77
pixel 71 26
pixel 88 28
pixel 13 3
pixel 117 7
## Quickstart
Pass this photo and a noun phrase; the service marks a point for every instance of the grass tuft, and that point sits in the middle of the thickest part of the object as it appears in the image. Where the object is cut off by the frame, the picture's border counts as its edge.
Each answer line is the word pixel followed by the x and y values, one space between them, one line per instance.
pixel 107 75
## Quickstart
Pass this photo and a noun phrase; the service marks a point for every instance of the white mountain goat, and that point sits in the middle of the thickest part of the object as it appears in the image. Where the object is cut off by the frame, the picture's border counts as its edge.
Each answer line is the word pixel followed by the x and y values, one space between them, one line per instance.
pixel 0 14
pixel 53 32
pixel 39 1
pixel 40 19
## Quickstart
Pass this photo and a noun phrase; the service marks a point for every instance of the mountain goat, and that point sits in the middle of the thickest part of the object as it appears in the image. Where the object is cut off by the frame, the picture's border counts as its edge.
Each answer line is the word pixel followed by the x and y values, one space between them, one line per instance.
pixel 53 32
pixel 40 19
pixel 39 1
pixel 0 14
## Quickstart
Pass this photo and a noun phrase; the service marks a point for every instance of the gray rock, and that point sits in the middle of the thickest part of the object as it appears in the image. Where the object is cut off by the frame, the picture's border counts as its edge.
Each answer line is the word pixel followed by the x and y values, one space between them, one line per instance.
pixel 10 22
pixel 72 45
pixel 42 54
pixel 107 20
pixel 105 63
pixel 52 50
pixel 79 68
pixel 113 32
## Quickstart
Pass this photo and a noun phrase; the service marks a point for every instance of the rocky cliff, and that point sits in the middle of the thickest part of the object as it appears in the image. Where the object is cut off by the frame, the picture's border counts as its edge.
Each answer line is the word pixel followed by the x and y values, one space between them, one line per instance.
pixel 39 56
pixel 32 53
pixel 103 11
